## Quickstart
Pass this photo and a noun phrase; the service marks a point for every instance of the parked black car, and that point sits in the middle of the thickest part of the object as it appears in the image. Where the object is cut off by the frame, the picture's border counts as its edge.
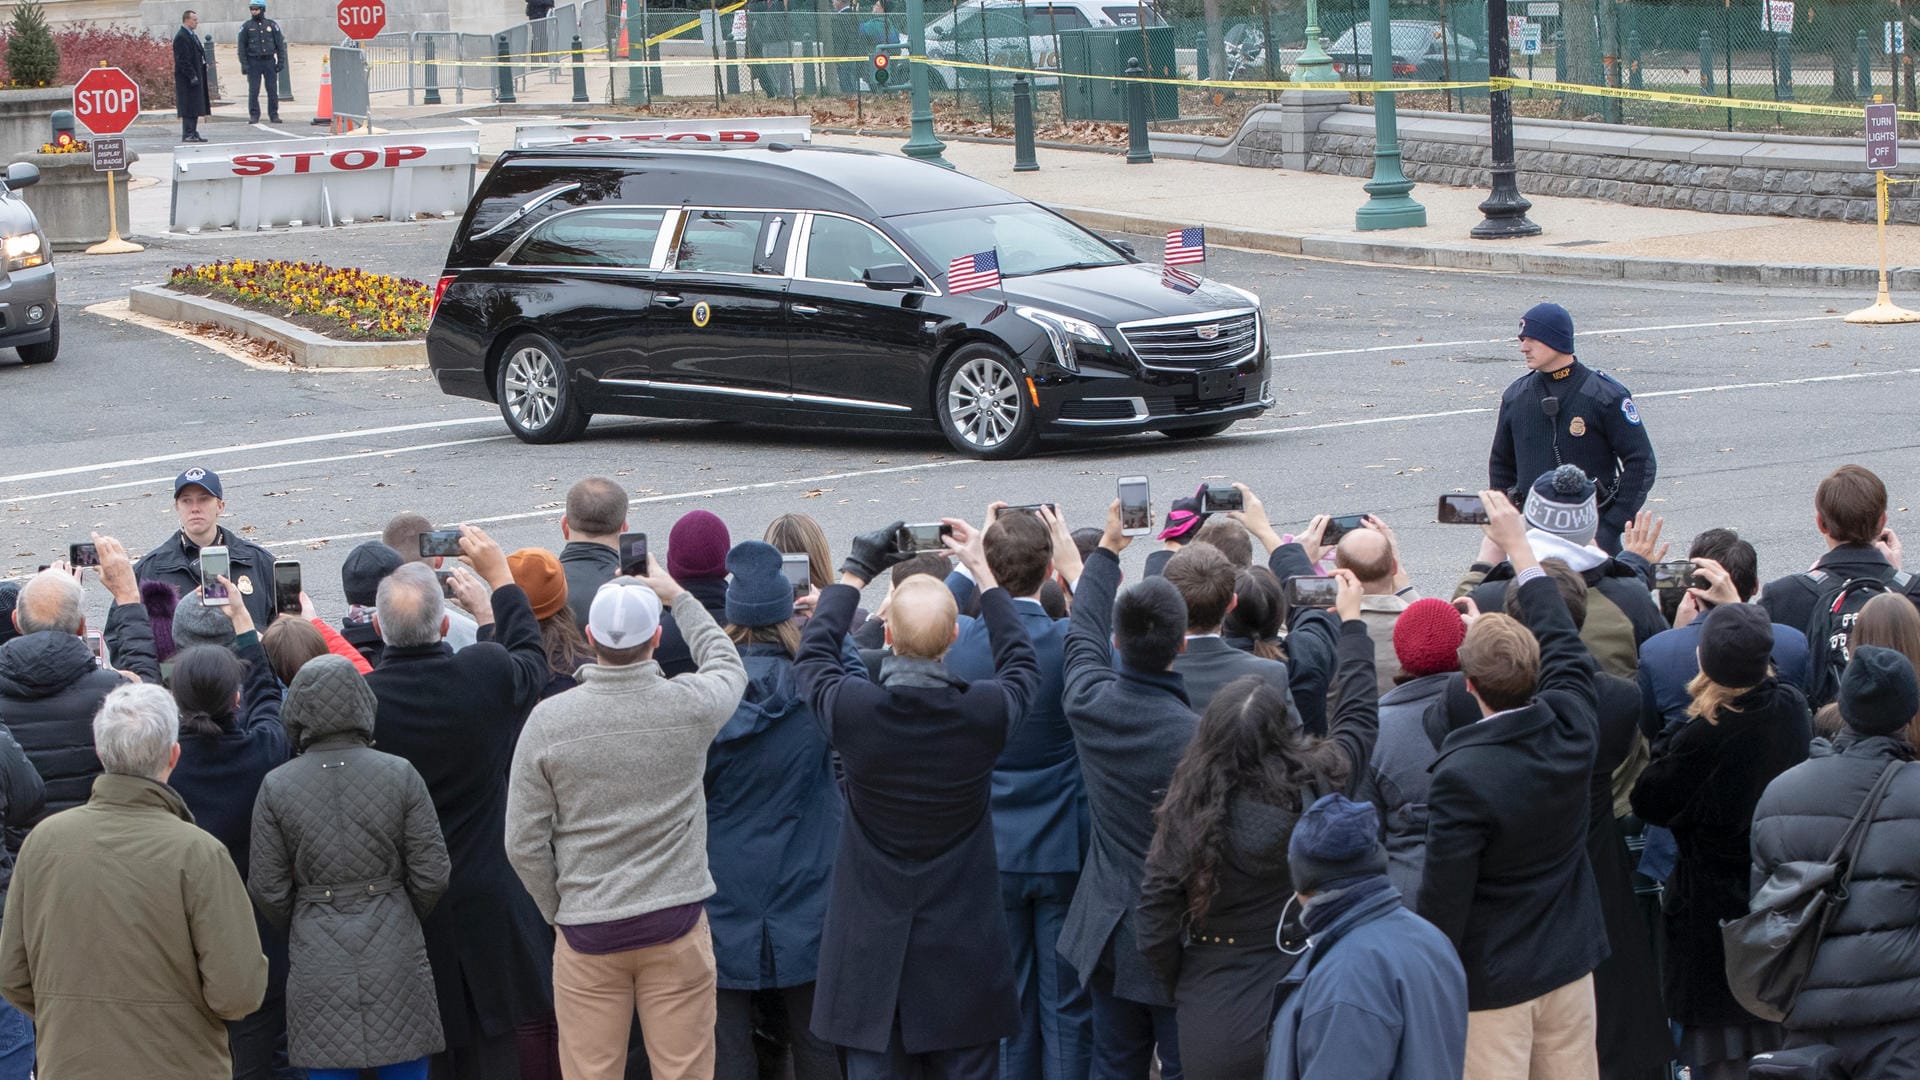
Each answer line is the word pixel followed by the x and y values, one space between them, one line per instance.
pixel 807 286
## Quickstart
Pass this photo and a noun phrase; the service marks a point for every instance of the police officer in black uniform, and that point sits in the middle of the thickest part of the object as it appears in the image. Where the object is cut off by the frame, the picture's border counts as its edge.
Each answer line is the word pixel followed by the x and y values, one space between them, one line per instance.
pixel 1563 412
pixel 198 501
pixel 263 52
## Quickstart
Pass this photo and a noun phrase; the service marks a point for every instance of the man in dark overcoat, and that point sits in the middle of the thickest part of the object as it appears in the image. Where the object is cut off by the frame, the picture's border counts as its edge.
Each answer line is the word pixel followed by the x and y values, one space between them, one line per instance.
pixel 455 717
pixel 192 97
pixel 916 979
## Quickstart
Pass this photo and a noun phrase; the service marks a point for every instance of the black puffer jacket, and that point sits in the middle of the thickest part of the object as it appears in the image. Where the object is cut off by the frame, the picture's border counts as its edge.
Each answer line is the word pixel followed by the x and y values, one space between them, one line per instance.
pixel 347 849
pixel 49 691
pixel 1867 972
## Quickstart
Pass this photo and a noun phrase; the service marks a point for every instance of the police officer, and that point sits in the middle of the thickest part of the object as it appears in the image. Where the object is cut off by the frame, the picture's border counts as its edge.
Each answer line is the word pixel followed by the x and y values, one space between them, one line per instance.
pixel 1564 413
pixel 198 502
pixel 263 52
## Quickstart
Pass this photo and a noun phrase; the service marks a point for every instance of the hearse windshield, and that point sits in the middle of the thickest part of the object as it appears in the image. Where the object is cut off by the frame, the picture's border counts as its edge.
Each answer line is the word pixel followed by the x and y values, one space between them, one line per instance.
pixel 1029 239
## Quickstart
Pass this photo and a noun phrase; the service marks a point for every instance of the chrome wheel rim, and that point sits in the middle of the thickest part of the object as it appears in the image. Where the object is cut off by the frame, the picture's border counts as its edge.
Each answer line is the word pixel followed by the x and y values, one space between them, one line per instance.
pixel 533 388
pixel 983 402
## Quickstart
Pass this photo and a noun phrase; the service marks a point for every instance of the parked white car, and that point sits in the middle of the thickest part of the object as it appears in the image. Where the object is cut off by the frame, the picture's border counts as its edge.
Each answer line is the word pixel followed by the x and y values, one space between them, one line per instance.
pixel 1019 34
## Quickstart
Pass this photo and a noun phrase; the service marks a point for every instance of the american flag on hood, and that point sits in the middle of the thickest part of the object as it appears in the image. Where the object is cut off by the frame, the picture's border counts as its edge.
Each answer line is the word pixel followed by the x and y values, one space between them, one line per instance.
pixel 980 270
pixel 1187 245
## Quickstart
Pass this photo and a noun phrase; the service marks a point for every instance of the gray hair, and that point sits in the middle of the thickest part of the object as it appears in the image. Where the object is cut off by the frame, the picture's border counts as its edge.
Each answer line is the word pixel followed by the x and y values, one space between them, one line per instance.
pixel 410 607
pixel 50 601
pixel 135 731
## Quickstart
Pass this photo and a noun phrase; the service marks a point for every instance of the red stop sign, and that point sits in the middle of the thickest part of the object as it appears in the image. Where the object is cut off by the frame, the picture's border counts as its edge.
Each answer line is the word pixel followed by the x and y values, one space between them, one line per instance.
pixel 361 19
pixel 106 100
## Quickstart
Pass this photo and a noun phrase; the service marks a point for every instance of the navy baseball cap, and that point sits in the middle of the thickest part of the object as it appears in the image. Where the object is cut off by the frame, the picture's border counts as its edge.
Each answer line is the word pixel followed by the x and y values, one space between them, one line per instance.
pixel 198 476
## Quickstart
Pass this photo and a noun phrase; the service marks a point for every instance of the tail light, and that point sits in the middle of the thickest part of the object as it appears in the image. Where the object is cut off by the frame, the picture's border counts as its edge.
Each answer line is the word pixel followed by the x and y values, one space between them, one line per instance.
pixel 1404 69
pixel 439 290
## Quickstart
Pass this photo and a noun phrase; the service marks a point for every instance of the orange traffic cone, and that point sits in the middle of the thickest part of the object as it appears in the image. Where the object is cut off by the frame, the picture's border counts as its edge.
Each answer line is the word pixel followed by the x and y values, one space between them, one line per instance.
pixel 324 114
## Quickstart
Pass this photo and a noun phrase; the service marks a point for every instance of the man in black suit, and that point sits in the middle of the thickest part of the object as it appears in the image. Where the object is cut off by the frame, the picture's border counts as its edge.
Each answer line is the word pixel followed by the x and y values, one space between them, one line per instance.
pixel 1507 877
pixel 1205 578
pixel 191 95
pixel 1131 724
pixel 916 977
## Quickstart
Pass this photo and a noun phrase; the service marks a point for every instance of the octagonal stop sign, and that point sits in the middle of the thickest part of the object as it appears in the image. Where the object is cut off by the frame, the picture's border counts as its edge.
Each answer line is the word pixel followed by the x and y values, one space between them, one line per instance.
pixel 361 19
pixel 106 100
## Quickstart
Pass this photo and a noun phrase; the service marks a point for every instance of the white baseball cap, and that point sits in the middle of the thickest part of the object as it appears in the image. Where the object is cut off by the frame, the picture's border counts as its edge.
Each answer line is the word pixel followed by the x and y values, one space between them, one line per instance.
pixel 624 614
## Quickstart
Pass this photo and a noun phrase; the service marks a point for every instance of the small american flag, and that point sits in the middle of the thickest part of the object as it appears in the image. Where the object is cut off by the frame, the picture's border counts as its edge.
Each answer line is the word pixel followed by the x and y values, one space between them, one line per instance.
pixel 981 270
pixel 1186 246
pixel 1178 280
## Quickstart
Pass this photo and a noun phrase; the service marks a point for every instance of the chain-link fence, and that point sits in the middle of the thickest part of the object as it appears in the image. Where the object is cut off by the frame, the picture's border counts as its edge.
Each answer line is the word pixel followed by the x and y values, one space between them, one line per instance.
pixel 1215 59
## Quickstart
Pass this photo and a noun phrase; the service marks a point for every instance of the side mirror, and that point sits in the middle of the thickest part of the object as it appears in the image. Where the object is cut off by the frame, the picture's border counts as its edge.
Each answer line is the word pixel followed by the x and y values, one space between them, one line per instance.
pixel 890 276
pixel 1124 245
pixel 22 174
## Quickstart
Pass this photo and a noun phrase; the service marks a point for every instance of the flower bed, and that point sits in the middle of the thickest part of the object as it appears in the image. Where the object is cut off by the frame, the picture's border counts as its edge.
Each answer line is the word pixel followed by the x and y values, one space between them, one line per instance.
pixel 340 302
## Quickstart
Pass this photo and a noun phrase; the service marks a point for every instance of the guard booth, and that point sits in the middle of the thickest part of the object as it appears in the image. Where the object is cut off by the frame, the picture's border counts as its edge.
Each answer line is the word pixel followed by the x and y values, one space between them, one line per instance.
pixel 1105 51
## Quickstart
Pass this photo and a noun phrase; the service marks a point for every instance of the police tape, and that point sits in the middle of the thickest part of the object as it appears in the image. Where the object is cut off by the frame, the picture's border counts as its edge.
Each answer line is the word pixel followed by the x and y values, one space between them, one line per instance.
pixel 1705 101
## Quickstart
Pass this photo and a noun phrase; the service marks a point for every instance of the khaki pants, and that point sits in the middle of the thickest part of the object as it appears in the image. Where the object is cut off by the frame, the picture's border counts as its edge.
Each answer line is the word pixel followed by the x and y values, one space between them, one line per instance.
pixel 671 986
pixel 1548 1038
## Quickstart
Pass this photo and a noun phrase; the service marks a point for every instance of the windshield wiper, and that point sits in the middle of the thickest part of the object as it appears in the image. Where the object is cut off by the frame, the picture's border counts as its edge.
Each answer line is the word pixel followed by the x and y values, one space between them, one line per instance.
pixel 1063 266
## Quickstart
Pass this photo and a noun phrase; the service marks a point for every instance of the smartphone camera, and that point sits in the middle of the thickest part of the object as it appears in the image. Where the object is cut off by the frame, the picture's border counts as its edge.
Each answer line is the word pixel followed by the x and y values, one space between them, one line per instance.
pixel 286 586
pixel 633 554
pixel 1461 510
pixel 1340 526
pixel 97 647
pixel 798 570
pixel 1136 506
pixel 445 577
pixel 913 539
pixel 1220 498
pixel 1678 574
pixel 214 565
pixel 1030 508
pixel 83 555
pixel 1310 591
pixel 440 544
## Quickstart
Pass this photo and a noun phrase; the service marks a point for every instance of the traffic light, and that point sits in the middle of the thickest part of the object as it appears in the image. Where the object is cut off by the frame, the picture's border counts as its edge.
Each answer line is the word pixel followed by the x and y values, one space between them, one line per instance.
pixel 63 128
pixel 880 73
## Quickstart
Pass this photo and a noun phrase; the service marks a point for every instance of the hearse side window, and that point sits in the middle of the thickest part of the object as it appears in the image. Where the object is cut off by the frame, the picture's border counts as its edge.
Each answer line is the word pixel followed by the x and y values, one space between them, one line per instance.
pixel 616 236
pixel 731 242
pixel 841 250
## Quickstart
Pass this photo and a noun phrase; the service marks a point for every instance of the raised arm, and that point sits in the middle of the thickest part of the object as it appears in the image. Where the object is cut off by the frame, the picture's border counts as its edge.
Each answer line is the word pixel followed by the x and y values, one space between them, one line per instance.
pixel 514 624
pixel 1356 692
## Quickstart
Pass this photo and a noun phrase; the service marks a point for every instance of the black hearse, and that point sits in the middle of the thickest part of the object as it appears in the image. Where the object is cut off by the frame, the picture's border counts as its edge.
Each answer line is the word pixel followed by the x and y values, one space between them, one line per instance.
pixel 806 285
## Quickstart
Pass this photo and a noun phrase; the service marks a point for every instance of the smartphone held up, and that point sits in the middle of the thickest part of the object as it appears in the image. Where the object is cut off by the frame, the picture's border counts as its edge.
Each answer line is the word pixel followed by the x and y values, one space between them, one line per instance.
pixel 1461 510
pixel 1136 506
pixel 214 565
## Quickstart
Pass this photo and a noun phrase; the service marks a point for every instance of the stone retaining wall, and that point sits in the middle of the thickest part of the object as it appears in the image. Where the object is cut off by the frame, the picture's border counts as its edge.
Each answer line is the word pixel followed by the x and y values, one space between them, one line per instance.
pixel 1716 172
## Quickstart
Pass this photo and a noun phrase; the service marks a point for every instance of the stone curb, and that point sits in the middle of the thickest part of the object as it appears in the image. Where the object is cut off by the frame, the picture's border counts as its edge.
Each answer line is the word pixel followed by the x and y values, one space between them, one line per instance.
pixel 309 349
pixel 1494 259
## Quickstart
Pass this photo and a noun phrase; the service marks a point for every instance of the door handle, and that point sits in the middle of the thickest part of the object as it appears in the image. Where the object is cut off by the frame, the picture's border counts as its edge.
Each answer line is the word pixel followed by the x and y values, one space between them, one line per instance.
pixel 805 309
pixel 666 300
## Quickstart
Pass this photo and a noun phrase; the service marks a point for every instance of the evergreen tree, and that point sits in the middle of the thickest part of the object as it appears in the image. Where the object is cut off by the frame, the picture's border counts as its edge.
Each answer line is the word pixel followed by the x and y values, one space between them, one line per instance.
pixel 32 57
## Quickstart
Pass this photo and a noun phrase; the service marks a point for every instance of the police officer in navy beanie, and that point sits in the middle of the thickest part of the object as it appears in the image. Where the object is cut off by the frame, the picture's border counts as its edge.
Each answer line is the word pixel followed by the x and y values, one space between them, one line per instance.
pixel 1564 413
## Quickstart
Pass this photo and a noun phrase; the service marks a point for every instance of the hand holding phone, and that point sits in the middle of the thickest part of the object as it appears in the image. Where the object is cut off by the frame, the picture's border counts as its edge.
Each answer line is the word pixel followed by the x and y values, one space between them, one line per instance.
pixel 287 588
pixel 913 539
pixel 633 554
pixel 1310 591
pixel 214 565
pixel 1221 498
pixel 1461 510
pixel 1338 527
pixel 445 577
pixel 1136 506
pixel 440 544
pixel 83 554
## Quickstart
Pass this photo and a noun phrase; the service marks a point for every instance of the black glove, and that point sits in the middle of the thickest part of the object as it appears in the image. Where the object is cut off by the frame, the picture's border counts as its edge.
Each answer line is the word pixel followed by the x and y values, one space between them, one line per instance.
pixel 874 552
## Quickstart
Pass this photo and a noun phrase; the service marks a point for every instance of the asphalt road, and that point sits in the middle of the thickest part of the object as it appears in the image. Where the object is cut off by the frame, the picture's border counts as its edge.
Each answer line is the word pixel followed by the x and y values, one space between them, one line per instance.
pixel 1387 380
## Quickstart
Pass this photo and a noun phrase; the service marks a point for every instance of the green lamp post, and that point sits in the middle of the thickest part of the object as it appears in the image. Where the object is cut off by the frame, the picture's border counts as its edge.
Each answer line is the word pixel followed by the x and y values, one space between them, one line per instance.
pixel 1313 65
pixel 921 141
pixel 1389 206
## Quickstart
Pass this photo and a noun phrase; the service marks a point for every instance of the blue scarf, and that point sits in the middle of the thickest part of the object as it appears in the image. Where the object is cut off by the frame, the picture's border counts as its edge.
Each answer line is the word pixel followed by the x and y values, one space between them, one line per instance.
pixel 1328 905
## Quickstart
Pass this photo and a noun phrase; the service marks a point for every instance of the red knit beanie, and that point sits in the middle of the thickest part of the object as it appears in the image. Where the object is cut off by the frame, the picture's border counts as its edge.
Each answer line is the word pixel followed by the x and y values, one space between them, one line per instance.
pixel 697 547
pixel 1427 637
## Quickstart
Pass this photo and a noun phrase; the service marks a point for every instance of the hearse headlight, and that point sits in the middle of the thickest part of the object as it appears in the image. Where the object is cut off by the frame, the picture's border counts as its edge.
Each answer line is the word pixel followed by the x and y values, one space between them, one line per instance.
pixel 1063 331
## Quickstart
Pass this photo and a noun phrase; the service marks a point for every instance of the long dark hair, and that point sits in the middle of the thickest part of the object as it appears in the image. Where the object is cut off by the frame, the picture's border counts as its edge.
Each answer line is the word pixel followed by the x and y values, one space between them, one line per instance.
pixel 1246 745
pixel 566 646
pixel 1258 616
pixel 204 680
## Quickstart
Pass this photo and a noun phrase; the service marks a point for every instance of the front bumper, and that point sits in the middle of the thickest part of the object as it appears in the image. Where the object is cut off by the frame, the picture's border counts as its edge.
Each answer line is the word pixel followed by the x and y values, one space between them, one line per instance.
pixel 1099 402
pixel 21 292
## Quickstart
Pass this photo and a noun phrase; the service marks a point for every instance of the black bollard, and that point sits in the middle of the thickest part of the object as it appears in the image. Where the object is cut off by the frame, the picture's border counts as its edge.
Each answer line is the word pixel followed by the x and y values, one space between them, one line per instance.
pixel 213 74
pixel 1023 159
pixel 431 73
pixel 1706 62
pixel 1783 57
pixel 505 94
pixel 1634 79
pixel 579 70
pixel 1137 151
pixel 1863 59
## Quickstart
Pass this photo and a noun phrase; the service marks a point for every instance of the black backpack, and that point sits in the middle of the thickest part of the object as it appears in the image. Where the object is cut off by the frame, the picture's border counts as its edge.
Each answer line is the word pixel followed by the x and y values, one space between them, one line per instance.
pixel 1829 630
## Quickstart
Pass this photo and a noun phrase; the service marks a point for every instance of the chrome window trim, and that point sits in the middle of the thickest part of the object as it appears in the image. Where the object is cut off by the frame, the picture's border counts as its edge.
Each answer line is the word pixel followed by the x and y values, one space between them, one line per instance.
pixel 528 207
pixel 512 250
pixel 803 240
pixel 764 395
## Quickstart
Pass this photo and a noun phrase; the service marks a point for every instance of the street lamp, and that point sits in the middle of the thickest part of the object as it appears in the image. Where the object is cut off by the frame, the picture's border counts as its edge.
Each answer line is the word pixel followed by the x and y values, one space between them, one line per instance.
pixel 1505 209
pixel 1313 65
pixel 921 141
pixel 1389 206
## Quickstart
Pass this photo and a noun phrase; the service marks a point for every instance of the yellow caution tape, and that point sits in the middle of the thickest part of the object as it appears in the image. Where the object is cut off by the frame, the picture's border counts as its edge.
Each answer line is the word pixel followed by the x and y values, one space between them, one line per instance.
pixel 1856 112
pixel 690 24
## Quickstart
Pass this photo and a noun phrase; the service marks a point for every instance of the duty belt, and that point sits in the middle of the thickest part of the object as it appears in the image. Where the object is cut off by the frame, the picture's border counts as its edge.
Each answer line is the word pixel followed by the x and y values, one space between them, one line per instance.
pixel 328 894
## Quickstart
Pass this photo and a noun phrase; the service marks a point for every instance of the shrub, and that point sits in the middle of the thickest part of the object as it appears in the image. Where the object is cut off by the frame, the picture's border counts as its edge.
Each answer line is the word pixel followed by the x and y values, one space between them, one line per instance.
pixel 32 57
pixel 146 59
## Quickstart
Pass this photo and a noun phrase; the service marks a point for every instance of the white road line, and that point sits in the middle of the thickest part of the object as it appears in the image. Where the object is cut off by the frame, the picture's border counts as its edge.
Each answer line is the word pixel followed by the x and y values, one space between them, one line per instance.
pixel 240 448
pixel 1849 376
pixel 158 481
pixel 1583 333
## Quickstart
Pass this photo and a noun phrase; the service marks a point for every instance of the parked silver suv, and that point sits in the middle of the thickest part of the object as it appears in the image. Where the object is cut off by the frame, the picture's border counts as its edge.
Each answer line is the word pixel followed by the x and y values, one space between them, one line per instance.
pixel 29 312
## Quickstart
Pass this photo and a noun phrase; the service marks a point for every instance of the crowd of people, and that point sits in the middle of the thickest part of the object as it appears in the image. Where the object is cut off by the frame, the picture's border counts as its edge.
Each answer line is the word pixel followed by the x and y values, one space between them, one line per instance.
pixel 571 814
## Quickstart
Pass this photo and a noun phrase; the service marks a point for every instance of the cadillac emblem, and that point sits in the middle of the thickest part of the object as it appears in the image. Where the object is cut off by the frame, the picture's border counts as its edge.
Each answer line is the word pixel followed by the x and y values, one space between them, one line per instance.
pixel 1209 332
